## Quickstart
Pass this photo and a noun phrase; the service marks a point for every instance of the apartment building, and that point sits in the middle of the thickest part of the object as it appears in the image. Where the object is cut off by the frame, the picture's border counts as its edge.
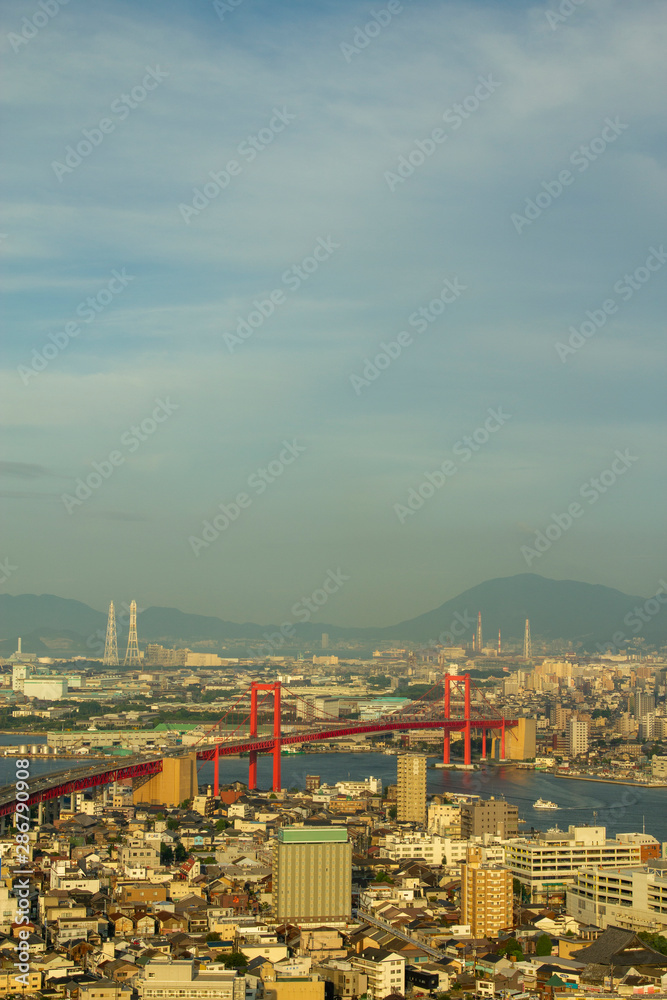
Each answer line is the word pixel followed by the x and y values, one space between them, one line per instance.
pixel 184 979
pixel 577 737
pixel 494 816
pixel 384 971
pixel 411 788
pixel 486 896
pixel 444 819
pixel 635 898
pixel 549 863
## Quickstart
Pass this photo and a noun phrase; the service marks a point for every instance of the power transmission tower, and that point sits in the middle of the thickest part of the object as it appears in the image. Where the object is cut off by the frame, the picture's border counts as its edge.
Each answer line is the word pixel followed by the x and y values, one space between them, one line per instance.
pixel 132 653
pixel 527 645
pixel 111 643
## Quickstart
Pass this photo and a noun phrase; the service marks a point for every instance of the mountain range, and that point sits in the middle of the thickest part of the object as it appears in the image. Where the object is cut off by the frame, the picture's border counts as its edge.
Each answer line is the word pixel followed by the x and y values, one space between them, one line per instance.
pixel 587 614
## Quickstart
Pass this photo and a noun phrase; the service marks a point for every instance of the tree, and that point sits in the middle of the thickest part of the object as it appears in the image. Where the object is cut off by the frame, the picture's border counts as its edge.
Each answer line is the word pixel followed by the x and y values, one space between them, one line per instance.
pixel 221 825
pixel 657 941
pixel 180 854
pixel 166 855
pixel 235 960
pixel 543 945
pixel 393 812
pixel 173 824
pixel 510 946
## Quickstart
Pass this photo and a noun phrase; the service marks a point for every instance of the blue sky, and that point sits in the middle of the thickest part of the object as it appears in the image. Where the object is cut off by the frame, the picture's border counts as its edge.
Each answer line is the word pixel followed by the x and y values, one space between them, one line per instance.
pixel 332 124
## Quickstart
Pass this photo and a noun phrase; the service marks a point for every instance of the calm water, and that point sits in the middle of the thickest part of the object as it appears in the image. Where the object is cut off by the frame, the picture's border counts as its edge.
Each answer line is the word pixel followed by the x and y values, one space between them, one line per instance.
pixel 621 808
pixel 618 807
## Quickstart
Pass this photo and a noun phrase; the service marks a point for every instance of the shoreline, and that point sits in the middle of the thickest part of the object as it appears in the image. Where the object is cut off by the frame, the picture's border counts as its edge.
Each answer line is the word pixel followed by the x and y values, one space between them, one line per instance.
pixel 610 781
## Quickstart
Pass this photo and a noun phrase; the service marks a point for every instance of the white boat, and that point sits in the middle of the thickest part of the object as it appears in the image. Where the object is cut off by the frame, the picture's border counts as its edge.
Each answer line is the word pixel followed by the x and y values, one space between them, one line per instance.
pixel 545 804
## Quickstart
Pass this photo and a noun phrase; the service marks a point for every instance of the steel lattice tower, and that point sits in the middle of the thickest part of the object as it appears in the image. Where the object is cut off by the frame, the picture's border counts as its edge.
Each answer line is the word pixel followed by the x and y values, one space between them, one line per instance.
pixel 111 643
pixel 132 653
pixel 527 645
pixel 479 644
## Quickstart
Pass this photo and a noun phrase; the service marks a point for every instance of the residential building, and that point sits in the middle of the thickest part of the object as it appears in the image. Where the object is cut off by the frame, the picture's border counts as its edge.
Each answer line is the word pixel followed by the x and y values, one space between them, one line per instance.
pixel 411 790
pixel 659 767
pixel 384 971
pixel 494 816
pixel 634 898
pixel 486 896
pixel 444 819
pixel 549 863
pixel 185 979
pixel 312 874
pixel 347 981
pixel 577 737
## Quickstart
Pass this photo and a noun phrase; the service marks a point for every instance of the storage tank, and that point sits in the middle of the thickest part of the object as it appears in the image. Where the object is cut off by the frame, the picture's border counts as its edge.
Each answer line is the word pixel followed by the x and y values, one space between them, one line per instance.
pixel 23 748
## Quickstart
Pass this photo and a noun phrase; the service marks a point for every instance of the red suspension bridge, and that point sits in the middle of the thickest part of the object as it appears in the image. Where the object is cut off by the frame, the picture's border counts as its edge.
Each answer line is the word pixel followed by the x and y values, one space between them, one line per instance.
pixel 465 710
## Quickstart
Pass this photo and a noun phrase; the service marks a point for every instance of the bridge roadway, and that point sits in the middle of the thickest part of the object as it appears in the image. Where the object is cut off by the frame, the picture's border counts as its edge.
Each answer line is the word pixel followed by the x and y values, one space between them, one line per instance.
pixel 76 779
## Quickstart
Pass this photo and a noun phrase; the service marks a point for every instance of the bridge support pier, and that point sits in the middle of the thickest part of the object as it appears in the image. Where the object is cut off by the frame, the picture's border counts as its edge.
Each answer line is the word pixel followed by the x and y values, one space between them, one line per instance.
pixel 447 747
pixel 216 771
pixel 484 743
pixel 502 741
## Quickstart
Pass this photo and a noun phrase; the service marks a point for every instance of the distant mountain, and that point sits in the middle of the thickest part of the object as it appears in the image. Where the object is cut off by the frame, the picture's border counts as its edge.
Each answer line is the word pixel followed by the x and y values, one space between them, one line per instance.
pixel 557 609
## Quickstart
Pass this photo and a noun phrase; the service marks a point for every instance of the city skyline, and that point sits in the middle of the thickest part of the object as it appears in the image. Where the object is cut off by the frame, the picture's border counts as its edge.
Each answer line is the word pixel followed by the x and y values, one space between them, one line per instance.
pixel 307 291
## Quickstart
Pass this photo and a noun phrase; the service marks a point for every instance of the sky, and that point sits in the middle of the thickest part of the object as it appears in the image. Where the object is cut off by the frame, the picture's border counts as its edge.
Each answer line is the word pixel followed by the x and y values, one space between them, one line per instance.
pixel 306 291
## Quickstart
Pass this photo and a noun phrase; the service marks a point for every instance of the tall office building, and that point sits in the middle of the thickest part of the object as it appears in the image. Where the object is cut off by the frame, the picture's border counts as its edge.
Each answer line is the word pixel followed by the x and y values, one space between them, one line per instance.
pixel 644 704
pixel 312 874
pixel 577 736
pixel 411 792
pixel 486 896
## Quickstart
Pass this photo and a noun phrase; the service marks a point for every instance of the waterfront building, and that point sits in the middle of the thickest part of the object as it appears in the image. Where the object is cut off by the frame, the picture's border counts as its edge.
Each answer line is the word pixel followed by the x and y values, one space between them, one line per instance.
pixel 312 874
pixel 577 737
pixel 634 898
pixel 486 896
pixel 547 864
pixel 411 788
pixel 494 816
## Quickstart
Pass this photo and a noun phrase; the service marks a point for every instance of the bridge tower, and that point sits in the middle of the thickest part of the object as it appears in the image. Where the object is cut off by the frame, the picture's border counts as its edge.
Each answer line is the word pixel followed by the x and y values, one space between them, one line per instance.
pixel 452 678
pixel 111 643
pixel 132 657
pixel 252 773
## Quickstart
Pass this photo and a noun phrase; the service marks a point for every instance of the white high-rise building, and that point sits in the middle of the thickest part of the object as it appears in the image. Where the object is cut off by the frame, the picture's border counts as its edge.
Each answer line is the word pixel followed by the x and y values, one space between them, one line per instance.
pixel 577 734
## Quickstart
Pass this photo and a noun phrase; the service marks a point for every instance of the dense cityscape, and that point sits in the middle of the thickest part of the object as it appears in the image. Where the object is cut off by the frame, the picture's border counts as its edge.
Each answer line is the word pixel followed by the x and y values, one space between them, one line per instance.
pixel 183 883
